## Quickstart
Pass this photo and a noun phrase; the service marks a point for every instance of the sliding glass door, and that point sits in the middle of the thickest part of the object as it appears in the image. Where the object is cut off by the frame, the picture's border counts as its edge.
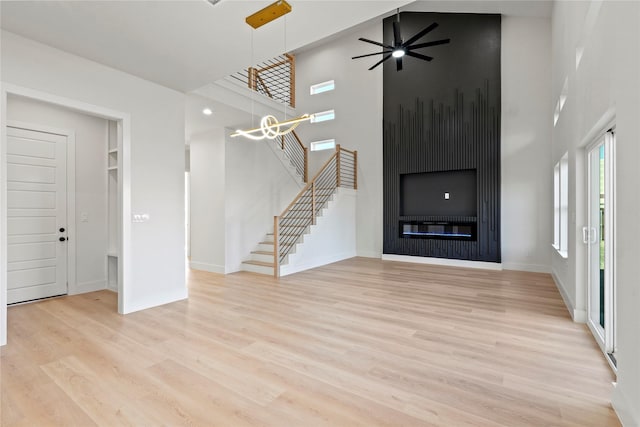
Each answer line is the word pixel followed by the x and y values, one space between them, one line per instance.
pixel 598 236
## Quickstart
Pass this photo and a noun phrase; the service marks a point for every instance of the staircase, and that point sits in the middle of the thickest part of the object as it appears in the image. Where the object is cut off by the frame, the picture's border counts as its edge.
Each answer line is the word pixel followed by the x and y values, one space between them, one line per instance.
pixel 296 221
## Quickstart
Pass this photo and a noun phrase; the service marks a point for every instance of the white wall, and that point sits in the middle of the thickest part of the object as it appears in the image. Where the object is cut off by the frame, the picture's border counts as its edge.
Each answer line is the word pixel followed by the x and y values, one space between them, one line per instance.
pixel 527 173
pixel 91 135
pixel 605 85
pixel 257 187
pixel 331 239
pixel 208 201
pixel 357 99
pixel 157 262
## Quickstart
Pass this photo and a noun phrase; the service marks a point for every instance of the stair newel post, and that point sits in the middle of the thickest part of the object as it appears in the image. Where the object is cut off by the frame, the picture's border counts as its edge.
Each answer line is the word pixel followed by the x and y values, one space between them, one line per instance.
pixel 313 203
pixel 306 164
pixel 253 74
pixel 276 251
pixel 337 165
pixel 355 170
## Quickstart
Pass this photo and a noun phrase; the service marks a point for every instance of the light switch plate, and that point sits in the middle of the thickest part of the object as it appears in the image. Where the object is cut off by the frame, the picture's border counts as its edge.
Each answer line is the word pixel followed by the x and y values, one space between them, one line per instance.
pixel 84 216
pixel 140 217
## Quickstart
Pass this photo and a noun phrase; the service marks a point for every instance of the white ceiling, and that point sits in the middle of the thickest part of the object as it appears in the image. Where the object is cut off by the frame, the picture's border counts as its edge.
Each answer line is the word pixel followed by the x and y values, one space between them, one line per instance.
pixel 185 44
pixel 182 44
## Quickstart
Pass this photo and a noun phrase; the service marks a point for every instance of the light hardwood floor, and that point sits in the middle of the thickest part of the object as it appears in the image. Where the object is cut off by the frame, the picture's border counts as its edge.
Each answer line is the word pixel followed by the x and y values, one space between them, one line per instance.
pixel 357 343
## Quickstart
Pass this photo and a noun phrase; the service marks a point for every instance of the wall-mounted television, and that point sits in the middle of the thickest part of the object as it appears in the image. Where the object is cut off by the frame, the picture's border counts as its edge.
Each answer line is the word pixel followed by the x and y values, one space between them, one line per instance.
pixel 444 193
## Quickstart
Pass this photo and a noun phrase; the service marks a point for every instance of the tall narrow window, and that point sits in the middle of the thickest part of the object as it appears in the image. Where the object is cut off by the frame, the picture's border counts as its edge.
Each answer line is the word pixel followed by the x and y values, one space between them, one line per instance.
pixel 564 205
pixel 556 206
pixel 561 205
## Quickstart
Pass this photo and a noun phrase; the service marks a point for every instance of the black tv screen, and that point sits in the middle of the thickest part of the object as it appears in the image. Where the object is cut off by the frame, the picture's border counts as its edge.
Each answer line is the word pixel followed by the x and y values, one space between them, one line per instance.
pixel 448 193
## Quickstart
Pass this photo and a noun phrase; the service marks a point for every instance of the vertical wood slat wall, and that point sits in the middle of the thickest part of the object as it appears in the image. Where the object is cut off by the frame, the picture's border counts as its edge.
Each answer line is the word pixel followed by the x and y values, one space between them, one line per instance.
pixel 441 133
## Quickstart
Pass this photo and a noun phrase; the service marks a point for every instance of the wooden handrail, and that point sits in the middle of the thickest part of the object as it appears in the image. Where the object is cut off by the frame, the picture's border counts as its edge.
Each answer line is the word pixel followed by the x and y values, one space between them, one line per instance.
pixel 292 80
pixel 309 184
pixel 274 65
pixel 348 151
pixel 355 169
pixel 293 132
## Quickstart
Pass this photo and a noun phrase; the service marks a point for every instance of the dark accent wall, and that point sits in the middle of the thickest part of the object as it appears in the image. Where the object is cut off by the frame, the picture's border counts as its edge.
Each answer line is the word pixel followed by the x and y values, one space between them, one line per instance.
pixel 444 115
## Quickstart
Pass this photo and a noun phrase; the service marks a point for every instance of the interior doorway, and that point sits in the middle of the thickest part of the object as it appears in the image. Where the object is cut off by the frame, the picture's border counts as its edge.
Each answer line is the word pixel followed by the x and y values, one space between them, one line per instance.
pixel 119 169
pixel 598 235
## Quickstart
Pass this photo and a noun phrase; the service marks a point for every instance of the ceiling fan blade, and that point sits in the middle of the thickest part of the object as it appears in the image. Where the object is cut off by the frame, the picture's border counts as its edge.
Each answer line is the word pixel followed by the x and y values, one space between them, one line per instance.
pixel 417 55
pixel 434 43
pixel 398 64
pixel 380 62
pixel 397 36
pixel 376 43
pixel 371 54
pixel 420 34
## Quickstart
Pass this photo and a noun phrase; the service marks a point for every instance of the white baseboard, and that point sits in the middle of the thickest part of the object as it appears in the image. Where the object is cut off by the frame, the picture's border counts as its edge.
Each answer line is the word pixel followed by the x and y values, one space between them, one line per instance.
pixel 369 254
pixel 84 287
pixel 531 268
pixel 158 299
pixel 212 268
pixel 287 269
pixel 443 261
pixel 624 411
pixel 578 316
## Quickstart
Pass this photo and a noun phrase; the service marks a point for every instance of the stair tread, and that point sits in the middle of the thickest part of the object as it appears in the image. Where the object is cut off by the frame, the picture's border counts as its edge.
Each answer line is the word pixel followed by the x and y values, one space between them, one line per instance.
pixel 260 263
pixel 262 252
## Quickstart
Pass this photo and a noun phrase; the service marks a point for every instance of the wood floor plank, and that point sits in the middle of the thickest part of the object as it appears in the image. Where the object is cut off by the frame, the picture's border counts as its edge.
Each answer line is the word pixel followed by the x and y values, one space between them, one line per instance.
pixel 361 342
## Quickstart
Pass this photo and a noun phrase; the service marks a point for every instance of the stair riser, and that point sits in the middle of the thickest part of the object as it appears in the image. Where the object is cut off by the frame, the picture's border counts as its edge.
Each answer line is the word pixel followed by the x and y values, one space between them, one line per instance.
pixel 261 247
pixel 257 269
pixel 262 257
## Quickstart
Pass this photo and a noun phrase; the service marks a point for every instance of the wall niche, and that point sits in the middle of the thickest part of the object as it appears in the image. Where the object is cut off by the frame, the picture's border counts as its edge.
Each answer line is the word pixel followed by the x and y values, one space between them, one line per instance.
pixel 441 142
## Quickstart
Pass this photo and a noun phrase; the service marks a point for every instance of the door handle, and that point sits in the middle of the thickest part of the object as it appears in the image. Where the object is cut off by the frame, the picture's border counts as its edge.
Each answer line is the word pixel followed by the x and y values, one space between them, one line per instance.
pixel 585 235
pixel 62 239
pixel 62 229
pixel 593 233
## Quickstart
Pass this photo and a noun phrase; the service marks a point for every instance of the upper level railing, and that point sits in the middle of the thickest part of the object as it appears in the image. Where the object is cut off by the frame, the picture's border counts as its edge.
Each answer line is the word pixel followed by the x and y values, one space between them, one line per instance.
pixel 339 171
pixel 275 78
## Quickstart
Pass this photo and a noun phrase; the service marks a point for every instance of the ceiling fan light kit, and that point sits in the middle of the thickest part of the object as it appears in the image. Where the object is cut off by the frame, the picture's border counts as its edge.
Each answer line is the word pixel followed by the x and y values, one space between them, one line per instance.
pixel 401 48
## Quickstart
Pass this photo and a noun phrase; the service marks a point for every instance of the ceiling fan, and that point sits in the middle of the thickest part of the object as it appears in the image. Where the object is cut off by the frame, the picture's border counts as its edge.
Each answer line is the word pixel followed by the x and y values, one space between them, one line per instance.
pixel 401 48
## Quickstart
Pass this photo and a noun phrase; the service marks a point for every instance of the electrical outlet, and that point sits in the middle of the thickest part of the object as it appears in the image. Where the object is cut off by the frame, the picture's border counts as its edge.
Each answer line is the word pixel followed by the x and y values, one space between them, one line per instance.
pixel 140 218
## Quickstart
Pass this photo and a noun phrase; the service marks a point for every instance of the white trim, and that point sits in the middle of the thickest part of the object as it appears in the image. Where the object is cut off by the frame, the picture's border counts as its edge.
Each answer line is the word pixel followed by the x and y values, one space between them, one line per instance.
pixel 627 413
pixel 368 254
pixel 203 266
pixel 124 144
pixel 70 136
pixel 84 287
pixel 578 316
pixel 532 268
pixel 287 269
pixel 443 261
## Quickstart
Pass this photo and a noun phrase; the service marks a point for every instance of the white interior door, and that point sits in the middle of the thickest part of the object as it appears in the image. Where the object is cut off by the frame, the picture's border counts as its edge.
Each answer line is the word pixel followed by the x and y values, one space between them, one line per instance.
pixel 36 215
pixel 598 235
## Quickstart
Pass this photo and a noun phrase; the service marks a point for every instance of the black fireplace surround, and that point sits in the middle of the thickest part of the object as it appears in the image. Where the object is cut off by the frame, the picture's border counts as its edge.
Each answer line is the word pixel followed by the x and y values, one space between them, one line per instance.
pixel 441 141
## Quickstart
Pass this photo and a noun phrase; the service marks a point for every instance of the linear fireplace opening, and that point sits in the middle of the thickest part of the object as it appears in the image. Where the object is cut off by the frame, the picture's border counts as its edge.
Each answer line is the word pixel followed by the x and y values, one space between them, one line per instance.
pixel 443 193
pixel 438 230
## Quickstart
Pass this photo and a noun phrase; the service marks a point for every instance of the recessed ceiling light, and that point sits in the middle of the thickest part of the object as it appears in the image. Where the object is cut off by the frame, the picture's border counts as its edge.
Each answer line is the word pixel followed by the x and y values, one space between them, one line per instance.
pixel 207 111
